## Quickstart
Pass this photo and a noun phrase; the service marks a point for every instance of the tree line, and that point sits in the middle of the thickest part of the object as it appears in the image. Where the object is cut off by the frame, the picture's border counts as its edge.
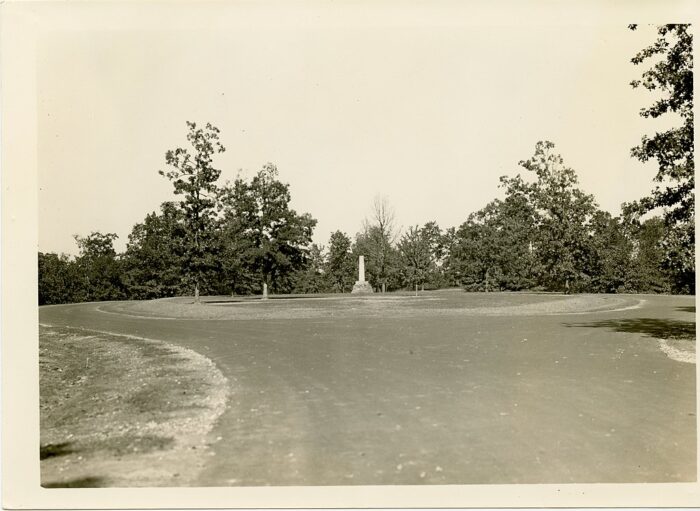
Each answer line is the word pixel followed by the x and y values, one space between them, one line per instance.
pixel 545 234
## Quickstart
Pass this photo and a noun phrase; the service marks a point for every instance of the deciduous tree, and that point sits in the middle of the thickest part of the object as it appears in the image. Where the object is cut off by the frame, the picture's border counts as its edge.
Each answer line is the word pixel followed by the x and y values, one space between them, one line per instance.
pixel 99 269
pixel 194 176
pixel 376 243
pixel 562 213
pixel 272 239
pixel 154 255
pixel 671 75
pixel 341 263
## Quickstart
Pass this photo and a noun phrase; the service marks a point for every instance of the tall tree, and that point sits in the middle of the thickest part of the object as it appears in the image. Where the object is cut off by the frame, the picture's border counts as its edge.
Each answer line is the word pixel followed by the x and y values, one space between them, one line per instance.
pixel 416 256
pixel 649 258
pixel 273 240
pixel 451 258
pixel 377 243
pixel 438 245
pixel 341 263
pixel 671 74
pixel 562 213
pixel 194 177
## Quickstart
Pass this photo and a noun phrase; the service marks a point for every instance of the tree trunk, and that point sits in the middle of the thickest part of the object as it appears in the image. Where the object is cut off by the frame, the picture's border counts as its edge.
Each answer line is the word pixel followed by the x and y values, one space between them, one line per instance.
pixel 196 292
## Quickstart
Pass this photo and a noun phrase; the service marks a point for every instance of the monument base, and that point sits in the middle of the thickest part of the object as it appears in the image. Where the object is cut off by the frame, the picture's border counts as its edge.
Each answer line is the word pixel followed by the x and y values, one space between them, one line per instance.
pixel 362 287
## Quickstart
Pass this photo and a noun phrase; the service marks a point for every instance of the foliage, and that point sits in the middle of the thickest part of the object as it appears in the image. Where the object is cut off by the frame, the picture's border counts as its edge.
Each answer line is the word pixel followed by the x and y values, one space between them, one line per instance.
pixel 312 278
pixel 671 74
pixel 56 279
pixel 98 268
pixel 451 258
pixel 648 257
pixel 679 256
pixel 194 177
pixel 544 234
pixel 494 247
pixel 381 258
pixel 611 263
pixel 341 266
pixel 416 258
pixel 422 255
pixel 376 243
pixel 271 240
pixel 154 255
pixel 562 214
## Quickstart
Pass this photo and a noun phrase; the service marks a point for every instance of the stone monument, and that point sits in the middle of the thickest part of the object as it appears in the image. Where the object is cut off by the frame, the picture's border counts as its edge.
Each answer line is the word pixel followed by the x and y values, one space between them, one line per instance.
pixel 362 286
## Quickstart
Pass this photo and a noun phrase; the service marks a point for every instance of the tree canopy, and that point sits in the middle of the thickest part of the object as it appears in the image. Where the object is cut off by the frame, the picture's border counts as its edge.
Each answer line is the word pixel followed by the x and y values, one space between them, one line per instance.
pixel 670 76
pixel 194 177
pixel 271 239
pixel 545 233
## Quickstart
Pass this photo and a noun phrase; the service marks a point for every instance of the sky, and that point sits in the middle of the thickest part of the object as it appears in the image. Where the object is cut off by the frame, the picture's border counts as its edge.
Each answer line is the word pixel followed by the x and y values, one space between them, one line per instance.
pixel 426 114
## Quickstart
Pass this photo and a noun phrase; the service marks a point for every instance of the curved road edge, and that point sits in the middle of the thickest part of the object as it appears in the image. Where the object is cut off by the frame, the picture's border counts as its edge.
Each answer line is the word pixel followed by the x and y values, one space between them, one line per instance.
pixel 151 427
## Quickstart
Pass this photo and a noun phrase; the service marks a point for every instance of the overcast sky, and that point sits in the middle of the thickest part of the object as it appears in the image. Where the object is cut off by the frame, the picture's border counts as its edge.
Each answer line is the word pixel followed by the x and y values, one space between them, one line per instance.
pixel 428 115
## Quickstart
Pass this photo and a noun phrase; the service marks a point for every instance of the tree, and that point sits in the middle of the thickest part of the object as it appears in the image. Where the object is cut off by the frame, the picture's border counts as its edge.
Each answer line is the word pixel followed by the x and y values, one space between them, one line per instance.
pixel 673 149
pixel 341 264
pixel 562 214
pixel 612 264
pixel 451 259
pixel 194 177
pixel 55 283
pixel 154 254
pixel 312 278
pixel 494 247
pixel 99 269
pixel 416 256
pixel 438 243
pixel 423 254
pixel 376 243
pixel 649 257
pixel 271 238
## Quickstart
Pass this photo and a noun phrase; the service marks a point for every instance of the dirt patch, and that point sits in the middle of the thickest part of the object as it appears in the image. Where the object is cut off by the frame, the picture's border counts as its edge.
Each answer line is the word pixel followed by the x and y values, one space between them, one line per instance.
pixel 123 411
pixel 680 350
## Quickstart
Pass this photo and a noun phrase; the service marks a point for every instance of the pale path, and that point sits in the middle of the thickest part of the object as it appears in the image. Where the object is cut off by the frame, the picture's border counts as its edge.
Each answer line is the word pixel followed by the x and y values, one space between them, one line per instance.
pixel 441 398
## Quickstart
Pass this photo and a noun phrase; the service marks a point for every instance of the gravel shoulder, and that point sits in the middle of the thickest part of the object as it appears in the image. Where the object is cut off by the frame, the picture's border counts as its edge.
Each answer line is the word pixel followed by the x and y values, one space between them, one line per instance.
pixel 121 410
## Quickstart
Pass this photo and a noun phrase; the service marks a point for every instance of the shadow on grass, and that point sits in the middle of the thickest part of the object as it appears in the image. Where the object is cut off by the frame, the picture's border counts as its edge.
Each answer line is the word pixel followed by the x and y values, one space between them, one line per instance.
pixel 657 328
pixel 83 482
pixel 687 309
pixel 52 450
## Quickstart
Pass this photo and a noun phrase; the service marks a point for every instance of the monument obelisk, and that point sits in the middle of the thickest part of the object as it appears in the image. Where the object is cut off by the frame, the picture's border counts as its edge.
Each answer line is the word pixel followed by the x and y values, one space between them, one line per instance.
pixel 361 286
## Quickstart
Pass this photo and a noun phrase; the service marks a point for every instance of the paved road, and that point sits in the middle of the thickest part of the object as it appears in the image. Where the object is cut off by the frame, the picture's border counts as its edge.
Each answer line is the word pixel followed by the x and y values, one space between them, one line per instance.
pixel 454 399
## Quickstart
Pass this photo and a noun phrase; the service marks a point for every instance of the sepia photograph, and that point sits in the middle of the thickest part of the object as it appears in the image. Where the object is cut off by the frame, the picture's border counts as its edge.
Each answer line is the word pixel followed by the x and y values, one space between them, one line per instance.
pixel 351 245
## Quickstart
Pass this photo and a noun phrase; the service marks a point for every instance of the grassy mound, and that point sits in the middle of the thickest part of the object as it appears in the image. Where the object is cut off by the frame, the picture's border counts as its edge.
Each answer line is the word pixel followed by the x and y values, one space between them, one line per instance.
pixel 439 303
